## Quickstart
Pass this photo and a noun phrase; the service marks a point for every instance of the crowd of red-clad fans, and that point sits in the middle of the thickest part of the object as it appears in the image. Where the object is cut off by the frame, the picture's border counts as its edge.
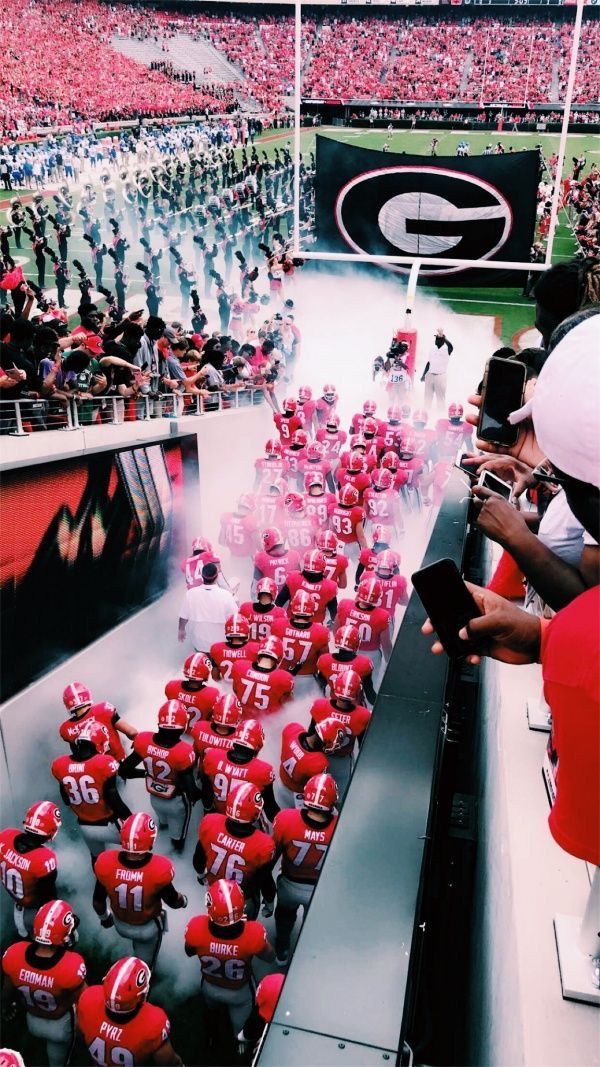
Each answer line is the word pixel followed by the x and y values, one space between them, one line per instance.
pixel 471 59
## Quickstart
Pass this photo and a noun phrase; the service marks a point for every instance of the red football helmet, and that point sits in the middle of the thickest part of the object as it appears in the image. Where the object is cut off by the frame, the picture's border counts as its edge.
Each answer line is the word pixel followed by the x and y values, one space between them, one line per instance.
pixel 326 541
pixel 266 586
pixel 348 496
pixel 294 502
pixel 347 686
pixel 369 591
pixel 390 462
pixel 385 564
pixel 314 478
pixel 76 696
pixel 304 393
pixel 313 561
pixel 271 538
pixel 200 544
pixel 357 441
pixel 272 646
pixel 250 734
pixel 225 902
pixel 302 604
pixel 419 417
pixel 126 985
pixel 382 478
pixel 408 447
pixel 244 804
pixel 333 421
pixel 369 407
pixel 347 638
pixel 329 392
pixel 455 411
pixel 246 502
pixel 331 732
pixel 369 427
pixel 279 485
pixel 197 667
pixel 314 451
pixel 54 923
pixel 237 626
pixel 227 711
pixel 273 447
pixel 290 405
pixel 138 833
pixel 300 438
pixel 356 462
pixel 43 818
pixel 394 414
pixel 96 734
pixel 172 715
pixel 268 992
pixel 320 793
pixel 379 535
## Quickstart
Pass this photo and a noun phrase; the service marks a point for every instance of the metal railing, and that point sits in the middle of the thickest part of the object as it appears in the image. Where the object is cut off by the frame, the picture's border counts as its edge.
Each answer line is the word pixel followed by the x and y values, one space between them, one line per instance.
pixel 26 415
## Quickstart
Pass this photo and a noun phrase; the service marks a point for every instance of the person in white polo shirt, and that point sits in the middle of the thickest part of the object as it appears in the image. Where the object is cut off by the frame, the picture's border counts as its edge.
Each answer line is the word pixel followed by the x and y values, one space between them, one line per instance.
pixel 205 609
pixel 436 367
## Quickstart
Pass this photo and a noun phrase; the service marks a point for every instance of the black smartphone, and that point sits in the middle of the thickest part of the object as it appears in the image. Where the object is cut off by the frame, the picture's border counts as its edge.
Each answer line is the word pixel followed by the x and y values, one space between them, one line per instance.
pixel 503 388
pixel 491 481
pixel 468 469
pixel 448 604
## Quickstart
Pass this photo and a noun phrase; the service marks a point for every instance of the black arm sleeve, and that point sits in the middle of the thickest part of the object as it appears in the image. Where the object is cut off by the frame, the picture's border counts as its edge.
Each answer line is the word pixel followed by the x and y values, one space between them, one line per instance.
pixel 332 608
pixel 359 573
pixel 45 888
pixel 283 596
pixel 369 689
pixel 199 860
pixel 170 896
pixel 114 799
pixel 128 766
pixel 271 806
pixel 64 795
pixel 188 786
pixel 208 793
pixel 266 883
pixel 450 347
pixel 99 899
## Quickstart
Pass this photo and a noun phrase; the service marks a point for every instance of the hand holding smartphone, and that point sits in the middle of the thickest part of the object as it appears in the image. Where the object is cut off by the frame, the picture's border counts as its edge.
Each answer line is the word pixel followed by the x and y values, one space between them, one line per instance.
pixel 491 481
pixel 502 393
pixel 448 604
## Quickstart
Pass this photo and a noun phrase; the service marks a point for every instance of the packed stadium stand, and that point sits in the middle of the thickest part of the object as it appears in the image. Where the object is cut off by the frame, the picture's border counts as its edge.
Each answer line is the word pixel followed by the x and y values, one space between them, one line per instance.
pixel 235 60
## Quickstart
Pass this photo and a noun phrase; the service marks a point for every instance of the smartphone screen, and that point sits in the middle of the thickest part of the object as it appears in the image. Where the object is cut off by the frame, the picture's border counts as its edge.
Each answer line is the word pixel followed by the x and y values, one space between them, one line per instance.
pixel 466 468
pixel 495 485
pixel 448 603
pixel 503 393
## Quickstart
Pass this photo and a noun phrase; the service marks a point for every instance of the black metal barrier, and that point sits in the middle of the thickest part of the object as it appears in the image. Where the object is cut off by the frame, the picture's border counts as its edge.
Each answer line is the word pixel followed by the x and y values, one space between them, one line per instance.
pixel 359 976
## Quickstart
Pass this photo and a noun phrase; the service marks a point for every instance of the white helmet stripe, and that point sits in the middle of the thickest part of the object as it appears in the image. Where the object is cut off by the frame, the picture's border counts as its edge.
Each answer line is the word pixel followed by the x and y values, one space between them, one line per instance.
pixel 319 792
pixel 49 921
pixel 228 901
pixel 136 826
pixel 120 976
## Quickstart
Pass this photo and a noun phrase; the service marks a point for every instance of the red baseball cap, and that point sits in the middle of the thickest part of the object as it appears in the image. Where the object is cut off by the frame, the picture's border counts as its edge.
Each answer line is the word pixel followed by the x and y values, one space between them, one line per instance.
pixel 93 344
pixel 267 995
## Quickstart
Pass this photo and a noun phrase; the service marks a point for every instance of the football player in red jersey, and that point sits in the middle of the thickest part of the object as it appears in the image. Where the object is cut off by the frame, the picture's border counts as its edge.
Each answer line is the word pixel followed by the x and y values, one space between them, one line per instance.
pixel 237 645
pixel 192 566
pixel 316 500
pixel 78 702
pixel 371 620
pixel 356 473
pixel 293 454
pixel 394 428
pixel 412 465
pixel 306 408
pixel 263 685
pixel 88 784
pixel 358 443
pixel 368 556
pixel 262 612
pixel 314 461
pixel 239 529
pixel 192 690
pixel 132 884
pixel 225 771
pixel 374 442
pixel 352 717
pixel 231 846
pixel 336 564
pixel 48 978
pixel 326 404
pixel 287 421
pixel 369 410
pixel 453 434
pixel 168 769
pixel 346 519
pixel 346 655
pixel 332 439
pixel 117 1024
pixel 27 865
pixel 422 434
pixel 390 461
pixel 271 465
pixel 382 503
pixel 226 944
pixel 303 639
pixel 269 506
pixel 312 580
pixel 275 560
pixel 302 838
pixel 302 756
pixel 393 585
pixel 219 732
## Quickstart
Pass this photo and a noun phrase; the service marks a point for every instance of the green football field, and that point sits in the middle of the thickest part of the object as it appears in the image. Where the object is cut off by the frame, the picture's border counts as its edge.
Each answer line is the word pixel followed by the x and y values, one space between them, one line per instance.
pixel 512 311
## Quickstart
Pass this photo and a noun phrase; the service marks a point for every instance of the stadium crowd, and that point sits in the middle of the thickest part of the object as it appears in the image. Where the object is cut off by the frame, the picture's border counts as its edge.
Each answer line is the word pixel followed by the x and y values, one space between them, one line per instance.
pixel 482 60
